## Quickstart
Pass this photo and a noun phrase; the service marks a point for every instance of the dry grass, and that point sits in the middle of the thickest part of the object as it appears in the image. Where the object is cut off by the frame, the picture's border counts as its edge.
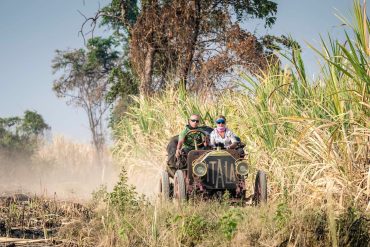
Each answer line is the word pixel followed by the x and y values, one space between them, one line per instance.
pixel 32 217
pixel 215 223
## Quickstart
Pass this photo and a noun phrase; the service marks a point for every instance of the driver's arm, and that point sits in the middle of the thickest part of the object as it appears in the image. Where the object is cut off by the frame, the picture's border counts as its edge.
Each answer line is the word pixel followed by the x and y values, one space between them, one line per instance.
pixel 179 146
pixel 180 143
pixel 206 141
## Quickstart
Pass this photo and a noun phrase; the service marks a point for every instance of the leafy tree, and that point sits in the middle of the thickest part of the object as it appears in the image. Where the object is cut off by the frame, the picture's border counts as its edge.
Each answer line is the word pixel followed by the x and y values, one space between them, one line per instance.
pixel 20 135
pixel 123 84
pixel 84 81
pixel 197 42
pixel 33 124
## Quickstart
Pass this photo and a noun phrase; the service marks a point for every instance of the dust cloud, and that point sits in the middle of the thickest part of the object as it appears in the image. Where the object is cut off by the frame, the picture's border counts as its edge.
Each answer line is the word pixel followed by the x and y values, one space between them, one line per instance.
pixel 67 170
pixel 19 177
pixel 61 169
pixel 145 179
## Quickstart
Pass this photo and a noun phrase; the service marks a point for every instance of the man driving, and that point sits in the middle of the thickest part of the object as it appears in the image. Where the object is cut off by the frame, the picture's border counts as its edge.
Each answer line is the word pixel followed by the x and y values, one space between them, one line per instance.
pixel 188 139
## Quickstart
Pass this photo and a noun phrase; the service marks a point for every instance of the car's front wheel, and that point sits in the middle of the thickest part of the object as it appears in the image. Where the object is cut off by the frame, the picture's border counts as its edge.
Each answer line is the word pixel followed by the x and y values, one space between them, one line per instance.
pixel 179 186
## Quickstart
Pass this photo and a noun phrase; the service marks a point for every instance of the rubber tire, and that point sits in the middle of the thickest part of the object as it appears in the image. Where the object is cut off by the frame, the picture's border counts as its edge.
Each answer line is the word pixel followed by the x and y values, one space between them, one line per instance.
pixel 179 192
pixel 164 186
pixel 260 188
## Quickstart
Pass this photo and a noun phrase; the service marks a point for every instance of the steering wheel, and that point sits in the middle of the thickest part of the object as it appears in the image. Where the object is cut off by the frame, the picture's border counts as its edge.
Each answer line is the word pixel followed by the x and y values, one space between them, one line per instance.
pixel 203 133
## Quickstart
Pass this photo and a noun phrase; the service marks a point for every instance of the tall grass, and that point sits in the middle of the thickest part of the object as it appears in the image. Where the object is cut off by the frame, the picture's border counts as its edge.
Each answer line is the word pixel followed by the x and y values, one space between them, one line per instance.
pixel 311 137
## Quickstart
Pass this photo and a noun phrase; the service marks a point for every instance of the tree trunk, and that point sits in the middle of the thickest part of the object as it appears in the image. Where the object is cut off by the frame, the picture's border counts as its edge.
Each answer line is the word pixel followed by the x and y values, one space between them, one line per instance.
pixel 190 49
pixel 146 80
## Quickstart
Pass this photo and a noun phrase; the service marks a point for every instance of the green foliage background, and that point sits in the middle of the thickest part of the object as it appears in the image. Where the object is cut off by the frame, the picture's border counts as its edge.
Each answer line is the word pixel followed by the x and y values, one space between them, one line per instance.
pixel 20 135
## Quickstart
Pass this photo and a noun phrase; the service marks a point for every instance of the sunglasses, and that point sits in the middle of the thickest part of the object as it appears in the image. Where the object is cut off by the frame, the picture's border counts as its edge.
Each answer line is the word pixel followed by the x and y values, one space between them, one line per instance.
pixel 194 120
pixel 220 121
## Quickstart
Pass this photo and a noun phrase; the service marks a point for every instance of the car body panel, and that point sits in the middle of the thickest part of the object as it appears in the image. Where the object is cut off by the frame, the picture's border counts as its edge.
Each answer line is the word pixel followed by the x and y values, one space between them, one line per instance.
pixel 221 173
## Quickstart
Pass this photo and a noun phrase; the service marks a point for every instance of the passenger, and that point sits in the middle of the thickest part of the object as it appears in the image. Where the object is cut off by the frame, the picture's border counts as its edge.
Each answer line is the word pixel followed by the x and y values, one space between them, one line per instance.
pixel 186 141
pixel 222 135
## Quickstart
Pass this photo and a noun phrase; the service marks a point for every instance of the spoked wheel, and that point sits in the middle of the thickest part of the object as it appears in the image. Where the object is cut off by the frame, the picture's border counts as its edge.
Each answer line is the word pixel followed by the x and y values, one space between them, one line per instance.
pixel 260 188
pixel 164 186
pixel 179 186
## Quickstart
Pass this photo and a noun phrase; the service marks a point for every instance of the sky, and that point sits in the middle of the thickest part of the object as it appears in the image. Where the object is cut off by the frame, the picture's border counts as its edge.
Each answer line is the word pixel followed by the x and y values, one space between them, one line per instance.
pixel 31 31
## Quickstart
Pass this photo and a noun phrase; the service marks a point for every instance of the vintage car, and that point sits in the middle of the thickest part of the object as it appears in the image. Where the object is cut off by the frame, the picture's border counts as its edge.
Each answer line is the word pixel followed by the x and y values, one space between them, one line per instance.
pixel 209 173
